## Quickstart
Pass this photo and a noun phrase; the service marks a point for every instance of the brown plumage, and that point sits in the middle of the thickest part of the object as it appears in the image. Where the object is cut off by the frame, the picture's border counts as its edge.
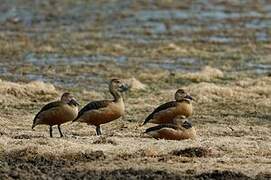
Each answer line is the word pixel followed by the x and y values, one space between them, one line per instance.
pixel 165 113
pixel 101 112
pixel 57 113
pixel 172 131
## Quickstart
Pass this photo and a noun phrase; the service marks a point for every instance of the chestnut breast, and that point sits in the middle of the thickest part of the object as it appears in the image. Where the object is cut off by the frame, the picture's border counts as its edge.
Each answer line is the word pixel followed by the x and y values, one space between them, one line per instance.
pixel 184 108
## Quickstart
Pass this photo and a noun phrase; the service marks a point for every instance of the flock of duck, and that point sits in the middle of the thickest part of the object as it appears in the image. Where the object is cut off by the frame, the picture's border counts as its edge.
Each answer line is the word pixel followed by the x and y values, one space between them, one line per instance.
pixel 170 117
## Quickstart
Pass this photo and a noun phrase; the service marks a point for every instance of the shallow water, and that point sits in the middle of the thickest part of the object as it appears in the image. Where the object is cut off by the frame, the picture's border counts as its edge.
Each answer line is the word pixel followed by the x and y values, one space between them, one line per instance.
pixel 56 59
pixel 84 34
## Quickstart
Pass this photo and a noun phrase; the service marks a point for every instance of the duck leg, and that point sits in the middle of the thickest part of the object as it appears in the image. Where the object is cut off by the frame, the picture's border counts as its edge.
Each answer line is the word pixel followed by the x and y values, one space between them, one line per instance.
pixel 51 131
pixel 61 135
pixel 98 130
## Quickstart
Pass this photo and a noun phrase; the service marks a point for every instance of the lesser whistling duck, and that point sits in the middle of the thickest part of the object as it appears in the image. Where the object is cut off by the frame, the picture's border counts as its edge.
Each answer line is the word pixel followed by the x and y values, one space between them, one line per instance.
pixel 57 113
pixel 165 113
pixel 179 131
pixel 101 112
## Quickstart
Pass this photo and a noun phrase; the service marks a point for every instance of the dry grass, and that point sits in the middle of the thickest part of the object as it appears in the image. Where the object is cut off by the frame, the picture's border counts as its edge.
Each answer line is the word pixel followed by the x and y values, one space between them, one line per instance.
pixel 232 123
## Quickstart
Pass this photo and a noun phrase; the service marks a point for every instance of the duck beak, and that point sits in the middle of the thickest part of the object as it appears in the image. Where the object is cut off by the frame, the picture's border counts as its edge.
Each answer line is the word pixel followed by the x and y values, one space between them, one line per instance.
pixel 187 124
pixel 189 97
pixel 74 102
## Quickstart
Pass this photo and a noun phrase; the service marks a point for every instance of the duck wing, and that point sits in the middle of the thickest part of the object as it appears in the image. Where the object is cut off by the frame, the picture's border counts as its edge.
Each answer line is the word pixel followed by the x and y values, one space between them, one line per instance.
pixel 94 105
pixel 161 126
pixel 160 108
pixel 47 107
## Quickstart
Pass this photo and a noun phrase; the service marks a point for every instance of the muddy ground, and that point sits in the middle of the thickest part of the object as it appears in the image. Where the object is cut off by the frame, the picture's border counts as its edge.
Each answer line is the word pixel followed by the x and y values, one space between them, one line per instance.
pixel 219 51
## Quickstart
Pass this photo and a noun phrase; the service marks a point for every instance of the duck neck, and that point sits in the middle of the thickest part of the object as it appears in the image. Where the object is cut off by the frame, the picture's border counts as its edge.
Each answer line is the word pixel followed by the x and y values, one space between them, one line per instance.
pixel 115 94
pixel 177 123
pixel 184 101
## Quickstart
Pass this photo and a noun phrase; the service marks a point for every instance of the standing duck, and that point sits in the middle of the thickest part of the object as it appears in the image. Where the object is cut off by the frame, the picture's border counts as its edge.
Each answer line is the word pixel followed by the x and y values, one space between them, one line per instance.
pixel 104 111
pixel 177 131
pixel 165 113
pixel 57 113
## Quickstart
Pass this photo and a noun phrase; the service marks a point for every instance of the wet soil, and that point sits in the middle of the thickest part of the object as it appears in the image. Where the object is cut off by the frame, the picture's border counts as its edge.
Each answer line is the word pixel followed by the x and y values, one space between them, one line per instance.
pixel 16 165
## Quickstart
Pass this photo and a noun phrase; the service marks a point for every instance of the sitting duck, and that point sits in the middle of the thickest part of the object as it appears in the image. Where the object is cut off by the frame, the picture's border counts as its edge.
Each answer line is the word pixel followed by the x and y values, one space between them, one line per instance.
pixel 178 131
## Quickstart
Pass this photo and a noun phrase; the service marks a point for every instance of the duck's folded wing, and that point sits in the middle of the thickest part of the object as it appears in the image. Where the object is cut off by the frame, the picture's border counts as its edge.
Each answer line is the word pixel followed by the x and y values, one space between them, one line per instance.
pixel 161 126
pixel 94 105
pixel 48 107
pixel 161 108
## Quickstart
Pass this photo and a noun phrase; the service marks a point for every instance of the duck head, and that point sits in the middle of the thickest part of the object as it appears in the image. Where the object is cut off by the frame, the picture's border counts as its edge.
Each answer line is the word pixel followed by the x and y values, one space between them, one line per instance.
pixel 181 95
pixel 118 85
pixel 69 99
pixel 186 124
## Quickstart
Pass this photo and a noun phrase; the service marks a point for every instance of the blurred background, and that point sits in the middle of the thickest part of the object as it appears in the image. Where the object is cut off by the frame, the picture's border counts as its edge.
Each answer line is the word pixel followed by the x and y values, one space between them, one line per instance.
pixel 84 42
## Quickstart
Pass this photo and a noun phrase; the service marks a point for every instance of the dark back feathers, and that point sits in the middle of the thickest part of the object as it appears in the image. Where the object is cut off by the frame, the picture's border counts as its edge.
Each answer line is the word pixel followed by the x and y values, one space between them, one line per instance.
pixel 160 108
pixel 94 105
pixel 160 126
pixel 48 106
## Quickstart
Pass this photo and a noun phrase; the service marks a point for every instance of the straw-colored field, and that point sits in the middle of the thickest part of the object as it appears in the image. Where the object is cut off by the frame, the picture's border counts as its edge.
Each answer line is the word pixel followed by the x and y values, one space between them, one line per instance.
pixel 219 51
pixel 232 123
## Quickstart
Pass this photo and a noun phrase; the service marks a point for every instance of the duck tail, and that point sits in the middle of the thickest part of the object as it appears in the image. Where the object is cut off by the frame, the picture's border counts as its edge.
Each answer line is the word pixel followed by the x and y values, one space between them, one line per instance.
pixel 33 126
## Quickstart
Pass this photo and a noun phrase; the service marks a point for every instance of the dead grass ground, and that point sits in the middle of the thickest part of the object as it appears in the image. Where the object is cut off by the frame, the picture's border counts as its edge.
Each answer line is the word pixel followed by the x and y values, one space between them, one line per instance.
pixel 232 121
